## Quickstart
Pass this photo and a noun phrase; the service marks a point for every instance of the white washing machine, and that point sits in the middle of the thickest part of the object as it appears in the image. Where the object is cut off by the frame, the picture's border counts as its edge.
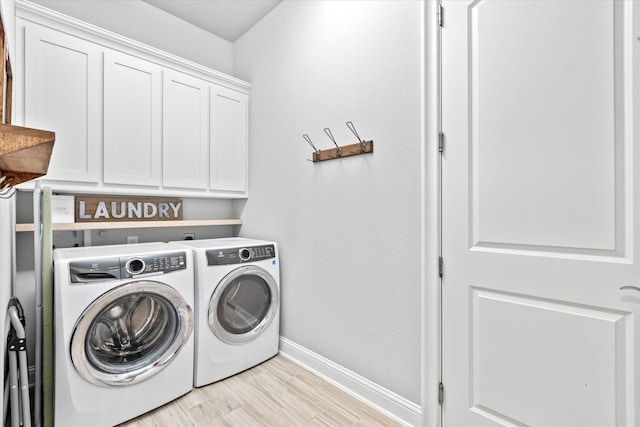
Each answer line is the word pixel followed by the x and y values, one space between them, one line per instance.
pixel 123 331
pixel 237 306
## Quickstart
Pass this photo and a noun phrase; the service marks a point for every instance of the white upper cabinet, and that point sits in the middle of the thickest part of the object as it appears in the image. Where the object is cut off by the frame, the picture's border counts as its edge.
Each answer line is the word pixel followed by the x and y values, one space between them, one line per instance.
pixel 62 93
pixel 185 131
pixel 128 118
pixel 132 120
pixel 228 140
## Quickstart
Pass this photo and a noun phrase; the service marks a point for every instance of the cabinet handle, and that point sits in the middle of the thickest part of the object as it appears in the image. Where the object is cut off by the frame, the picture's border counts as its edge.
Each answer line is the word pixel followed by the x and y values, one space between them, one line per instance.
pixel 633 288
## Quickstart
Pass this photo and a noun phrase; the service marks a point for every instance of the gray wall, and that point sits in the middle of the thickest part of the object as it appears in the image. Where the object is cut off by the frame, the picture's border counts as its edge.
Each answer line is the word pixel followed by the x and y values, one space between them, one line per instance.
pixel 349 230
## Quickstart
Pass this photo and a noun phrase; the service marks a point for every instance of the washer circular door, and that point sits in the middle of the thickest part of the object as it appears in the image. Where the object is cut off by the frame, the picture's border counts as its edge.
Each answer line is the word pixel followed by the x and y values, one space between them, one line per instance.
pixel 130 333
pixel 243 305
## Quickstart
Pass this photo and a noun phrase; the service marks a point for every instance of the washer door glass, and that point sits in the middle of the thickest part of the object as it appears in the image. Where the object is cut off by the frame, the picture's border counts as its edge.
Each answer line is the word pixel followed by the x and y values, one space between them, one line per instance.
pixel 243 304
pixel 130 333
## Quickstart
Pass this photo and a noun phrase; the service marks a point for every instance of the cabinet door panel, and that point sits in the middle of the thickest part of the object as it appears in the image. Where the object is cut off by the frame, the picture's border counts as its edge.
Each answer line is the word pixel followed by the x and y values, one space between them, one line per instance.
pixel 132 120
pixel 62 94
pixel 185 131
pixel 228 140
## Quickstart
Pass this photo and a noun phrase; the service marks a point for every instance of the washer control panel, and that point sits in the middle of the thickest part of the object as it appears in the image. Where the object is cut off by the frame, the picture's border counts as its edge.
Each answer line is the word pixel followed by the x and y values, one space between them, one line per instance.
pixel 105 269
pixel 157 263
pixel 240 255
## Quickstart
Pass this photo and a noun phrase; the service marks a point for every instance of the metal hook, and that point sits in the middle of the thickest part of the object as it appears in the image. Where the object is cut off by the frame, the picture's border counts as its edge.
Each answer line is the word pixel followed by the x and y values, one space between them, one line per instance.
pixel 306 137
pixel 352 128
pixel 330 135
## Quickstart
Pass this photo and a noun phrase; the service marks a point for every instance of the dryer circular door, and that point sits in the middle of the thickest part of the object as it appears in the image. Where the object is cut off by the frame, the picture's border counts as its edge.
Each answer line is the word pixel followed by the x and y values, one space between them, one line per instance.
pixel 130 333
pixel 243 305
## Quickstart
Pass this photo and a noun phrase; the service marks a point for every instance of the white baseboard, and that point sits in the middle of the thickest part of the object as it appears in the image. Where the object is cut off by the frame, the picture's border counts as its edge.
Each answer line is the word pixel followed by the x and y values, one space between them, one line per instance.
pixel 395 407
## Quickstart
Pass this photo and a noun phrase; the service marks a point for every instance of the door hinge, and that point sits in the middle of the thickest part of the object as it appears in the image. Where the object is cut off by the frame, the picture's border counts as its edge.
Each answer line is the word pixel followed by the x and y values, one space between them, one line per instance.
pixel 441 142
pixel 441 393
pixel 440 267
pixel 440 15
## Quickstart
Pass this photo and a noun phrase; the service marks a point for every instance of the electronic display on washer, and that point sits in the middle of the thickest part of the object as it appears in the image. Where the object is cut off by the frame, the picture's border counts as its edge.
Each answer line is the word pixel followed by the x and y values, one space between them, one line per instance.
pixel 157 263
pixel 100 270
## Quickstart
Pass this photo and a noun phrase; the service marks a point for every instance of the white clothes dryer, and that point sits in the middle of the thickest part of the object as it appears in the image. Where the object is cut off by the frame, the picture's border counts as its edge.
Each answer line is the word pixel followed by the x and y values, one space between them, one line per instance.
pixel 237 306
pixel 123 331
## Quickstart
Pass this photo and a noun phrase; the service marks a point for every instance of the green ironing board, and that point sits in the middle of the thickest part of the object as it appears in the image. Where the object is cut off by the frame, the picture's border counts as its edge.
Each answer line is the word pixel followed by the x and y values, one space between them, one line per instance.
pixel 47 310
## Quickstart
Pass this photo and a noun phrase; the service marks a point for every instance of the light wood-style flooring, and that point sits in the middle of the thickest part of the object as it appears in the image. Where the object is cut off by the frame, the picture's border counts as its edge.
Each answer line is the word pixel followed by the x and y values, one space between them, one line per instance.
pixel 275 393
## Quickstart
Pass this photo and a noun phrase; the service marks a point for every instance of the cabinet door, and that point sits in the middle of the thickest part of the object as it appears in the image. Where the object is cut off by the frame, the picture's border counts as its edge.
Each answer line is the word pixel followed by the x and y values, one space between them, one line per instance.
pixel 228 140
pixel 185 131
pixel 132 120
pixel 62 94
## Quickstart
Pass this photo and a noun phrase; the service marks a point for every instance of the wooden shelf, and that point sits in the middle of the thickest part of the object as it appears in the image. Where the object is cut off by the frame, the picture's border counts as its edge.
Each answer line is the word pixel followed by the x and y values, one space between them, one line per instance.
pixel 24 153
pixel 132 224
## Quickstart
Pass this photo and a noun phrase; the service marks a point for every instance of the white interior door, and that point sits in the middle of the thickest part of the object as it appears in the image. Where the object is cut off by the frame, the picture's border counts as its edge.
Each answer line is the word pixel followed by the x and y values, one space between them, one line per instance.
pixel 540 213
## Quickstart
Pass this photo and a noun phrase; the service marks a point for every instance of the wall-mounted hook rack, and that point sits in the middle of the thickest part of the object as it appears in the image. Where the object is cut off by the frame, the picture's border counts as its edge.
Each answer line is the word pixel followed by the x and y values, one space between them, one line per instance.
pixel 362 147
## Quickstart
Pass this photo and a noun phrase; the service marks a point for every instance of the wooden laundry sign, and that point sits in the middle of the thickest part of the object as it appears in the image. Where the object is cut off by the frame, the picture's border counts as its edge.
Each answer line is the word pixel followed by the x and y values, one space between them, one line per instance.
pixel 90 209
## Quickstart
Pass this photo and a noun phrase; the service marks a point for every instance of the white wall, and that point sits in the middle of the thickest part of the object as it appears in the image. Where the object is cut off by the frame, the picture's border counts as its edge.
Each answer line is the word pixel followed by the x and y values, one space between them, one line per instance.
pixel 349 230
pixel 147 24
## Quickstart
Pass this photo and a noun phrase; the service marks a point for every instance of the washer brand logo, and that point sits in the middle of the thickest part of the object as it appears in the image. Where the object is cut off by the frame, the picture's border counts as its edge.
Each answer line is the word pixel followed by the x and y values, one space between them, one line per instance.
pixel 127 209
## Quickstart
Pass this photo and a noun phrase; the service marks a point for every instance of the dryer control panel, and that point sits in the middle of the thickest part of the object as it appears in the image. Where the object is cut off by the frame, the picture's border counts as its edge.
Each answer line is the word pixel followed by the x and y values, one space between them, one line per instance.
pixel 105 269
pixel 240 255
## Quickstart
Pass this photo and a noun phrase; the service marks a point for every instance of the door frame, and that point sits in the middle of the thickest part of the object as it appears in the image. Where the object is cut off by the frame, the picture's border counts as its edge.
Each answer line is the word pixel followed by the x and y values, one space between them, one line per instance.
pixel 431 178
